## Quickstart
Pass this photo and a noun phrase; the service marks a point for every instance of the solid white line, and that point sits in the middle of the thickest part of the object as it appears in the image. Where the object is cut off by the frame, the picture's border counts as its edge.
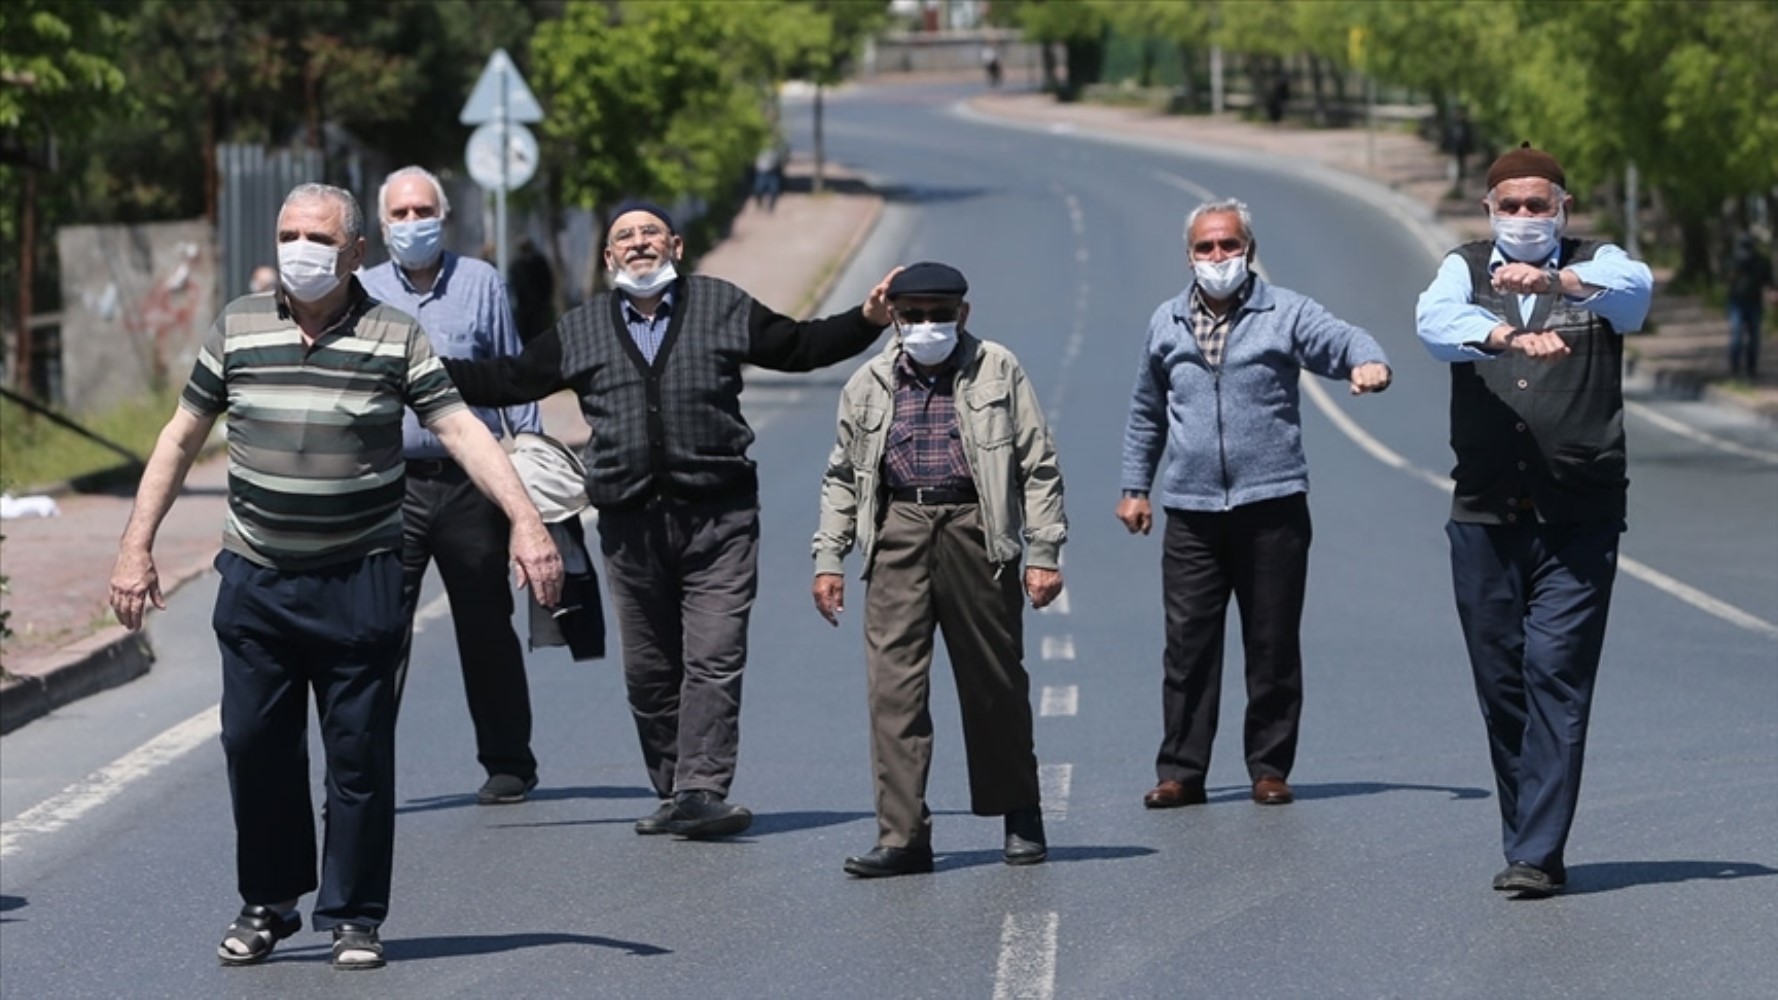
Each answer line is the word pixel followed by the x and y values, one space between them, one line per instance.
pixel 1059 699
pixel 1054 782
pixel 1027 969
pixel 107 782
pixel 1058 647
pixel 1192 188
pixel 1691 433
pixel 438 608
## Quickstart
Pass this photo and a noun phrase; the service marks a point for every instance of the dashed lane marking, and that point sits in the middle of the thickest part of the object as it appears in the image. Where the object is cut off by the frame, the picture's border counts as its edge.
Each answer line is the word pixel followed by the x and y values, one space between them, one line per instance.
pixel 1054 782
pixel 1058 647
pixel 1059 699
pixel 1027 969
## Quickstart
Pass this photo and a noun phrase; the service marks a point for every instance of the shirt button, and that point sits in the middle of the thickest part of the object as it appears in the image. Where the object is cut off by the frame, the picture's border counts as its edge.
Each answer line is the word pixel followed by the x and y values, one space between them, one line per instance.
pixel 1519 427
pixel 1522 466
pixel 1512 519
pixel 1524 383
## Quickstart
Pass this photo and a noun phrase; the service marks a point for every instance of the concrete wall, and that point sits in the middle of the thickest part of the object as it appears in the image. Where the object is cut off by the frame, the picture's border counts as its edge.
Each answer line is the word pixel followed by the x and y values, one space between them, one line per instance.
pixel 137 301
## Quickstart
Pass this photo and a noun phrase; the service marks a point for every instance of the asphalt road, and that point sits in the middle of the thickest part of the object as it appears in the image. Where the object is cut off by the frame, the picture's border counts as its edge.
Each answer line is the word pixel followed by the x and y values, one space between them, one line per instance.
pixel 1374 884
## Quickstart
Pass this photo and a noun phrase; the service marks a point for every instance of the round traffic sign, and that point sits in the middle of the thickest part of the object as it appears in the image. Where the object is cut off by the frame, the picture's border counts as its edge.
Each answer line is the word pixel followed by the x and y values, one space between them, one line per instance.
pixel 483 155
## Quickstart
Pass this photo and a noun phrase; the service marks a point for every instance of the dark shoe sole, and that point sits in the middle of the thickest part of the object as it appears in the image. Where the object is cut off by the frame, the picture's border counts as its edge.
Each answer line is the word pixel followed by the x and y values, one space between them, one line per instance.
pixel 872 871
pixel 1027 859
pixel 483 797
pixel 722 826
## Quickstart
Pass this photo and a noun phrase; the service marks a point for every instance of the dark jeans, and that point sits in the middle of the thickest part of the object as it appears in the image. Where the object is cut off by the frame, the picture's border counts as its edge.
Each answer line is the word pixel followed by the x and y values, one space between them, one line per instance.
pixel 1533 600
pixel 338 631
pixel 682 577
pixel 446 519
pixel 1258 552
pixel 1744 333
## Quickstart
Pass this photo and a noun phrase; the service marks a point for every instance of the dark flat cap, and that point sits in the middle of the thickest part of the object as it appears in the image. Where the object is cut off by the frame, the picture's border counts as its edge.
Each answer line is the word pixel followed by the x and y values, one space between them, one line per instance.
pixel 629 205
pixel 1526 162
pixel 928 278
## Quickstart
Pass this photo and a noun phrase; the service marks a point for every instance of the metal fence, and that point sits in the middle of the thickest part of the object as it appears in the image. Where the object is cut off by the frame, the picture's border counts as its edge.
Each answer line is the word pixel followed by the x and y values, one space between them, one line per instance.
pixel 254 183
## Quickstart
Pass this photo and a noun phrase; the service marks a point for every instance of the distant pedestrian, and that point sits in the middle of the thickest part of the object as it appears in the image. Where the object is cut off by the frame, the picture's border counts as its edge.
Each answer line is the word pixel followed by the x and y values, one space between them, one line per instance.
pixel 461 303
pixel 1750 279
pixel 1277 98
pixel 768 175
pixel 1460 143
pixel 263 281
pixel 1216 396
pixel 533 286
pixel 991 65
pixel 657 363
pixel 1532 323
pixel 944 473
pixel 314 380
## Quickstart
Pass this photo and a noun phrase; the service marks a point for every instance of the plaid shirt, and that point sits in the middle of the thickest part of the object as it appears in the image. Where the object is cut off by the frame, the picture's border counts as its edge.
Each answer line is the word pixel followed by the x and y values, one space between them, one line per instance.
pixel 1211 330
pixel 925 447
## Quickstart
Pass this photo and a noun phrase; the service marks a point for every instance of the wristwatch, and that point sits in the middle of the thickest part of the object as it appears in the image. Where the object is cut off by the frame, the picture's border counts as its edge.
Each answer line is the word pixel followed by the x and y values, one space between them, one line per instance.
pixel 1554 273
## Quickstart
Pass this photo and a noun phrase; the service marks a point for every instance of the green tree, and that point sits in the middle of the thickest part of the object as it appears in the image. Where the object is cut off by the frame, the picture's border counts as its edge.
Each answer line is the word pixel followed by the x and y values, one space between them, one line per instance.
pixel 819 41
pixel 1081 27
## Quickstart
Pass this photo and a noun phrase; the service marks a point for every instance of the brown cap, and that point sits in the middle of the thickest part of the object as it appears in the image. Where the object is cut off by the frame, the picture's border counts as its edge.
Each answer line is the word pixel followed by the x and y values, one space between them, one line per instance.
pixel 1526 162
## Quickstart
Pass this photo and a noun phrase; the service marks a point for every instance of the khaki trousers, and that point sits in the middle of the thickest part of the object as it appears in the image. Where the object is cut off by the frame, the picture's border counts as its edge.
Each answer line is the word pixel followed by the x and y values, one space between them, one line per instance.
pixel 930 569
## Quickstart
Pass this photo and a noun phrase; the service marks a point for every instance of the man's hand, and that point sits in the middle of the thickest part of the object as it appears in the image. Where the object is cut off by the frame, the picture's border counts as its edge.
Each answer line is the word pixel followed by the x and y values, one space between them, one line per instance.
pixel 1042 585
pixel 830 596
pixel 1523 279
pixel 876 304
pixel 1137 516
pixel 135 584
pixel 1372 376
pixel 1543 345
pixel 537 562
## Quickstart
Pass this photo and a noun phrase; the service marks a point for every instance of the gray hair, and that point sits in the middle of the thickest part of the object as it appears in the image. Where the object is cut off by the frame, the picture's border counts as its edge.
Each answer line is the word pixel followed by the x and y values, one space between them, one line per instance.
pixel 1558 192
pixel 444 200
pixel 1219 206
pixel 353 216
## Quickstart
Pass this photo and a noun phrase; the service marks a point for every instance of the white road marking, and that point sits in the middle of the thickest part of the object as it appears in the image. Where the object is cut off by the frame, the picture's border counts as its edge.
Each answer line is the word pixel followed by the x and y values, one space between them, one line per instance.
pixel 1059 606
pixel 1192 188
pixel 1054 782
pixel 1058 647
pixel 1027 969
pixel 107 782
pixel 438 608
pixel 1059 699
pixel 1691 433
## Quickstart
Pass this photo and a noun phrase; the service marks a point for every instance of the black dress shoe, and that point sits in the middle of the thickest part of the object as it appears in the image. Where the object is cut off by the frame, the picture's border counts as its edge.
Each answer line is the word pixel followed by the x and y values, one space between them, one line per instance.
pixel 655 823
pixel 888 862
pixel 1527 881
pixel 703 814
pixel 1025 844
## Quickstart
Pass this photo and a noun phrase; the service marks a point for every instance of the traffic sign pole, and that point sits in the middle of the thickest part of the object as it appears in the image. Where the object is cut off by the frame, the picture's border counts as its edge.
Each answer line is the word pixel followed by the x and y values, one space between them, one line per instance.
pixel 501 99
pixel 505 182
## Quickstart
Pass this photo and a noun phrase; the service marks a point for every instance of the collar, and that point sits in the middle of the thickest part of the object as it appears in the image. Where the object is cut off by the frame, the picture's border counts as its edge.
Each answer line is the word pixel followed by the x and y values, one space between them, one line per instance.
pixel 1252 295
pixel 633 315
pixel 447 266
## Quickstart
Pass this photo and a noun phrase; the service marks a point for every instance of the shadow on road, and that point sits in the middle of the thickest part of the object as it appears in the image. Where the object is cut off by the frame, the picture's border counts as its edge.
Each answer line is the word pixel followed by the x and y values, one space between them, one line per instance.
pixel 1610 875
pixel 460 945
pixel 432 803
pixel 952 860
pixel 1347 789
pixel 9 904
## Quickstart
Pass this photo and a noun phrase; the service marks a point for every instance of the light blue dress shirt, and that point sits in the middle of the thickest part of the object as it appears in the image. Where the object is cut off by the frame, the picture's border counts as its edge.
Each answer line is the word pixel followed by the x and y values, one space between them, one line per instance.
pixel 466 315
pixel 1452 326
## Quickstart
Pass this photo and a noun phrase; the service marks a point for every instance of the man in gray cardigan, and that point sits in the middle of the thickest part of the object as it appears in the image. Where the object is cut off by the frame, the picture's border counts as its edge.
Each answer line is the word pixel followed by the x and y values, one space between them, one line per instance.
pixel 1218 382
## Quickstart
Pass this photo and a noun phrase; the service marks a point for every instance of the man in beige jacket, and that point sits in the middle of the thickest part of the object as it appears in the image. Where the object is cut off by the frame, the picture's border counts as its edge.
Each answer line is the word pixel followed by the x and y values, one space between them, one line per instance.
pixel 943 475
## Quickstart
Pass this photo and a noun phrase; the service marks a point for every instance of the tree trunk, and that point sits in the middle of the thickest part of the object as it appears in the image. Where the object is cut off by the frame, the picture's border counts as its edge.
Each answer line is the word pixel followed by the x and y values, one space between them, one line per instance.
pixel 212 179
pixel 21 369
pixel 1188 73
pixel 1694 243
pixel 1050 84
pixel 1316 85
pixel 820 143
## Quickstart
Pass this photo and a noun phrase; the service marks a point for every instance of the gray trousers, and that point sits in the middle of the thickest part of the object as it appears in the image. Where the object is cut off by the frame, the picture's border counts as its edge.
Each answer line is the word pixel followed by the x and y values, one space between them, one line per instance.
pixel 682 577
pixel 930 569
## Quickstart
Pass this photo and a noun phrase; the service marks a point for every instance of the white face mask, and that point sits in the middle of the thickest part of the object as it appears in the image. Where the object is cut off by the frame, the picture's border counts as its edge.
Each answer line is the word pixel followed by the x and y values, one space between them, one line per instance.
pixel 416 245
pixel 1530 239
pixel 1223 278
pixel 307 269
pixel 929 343
pixel 648 284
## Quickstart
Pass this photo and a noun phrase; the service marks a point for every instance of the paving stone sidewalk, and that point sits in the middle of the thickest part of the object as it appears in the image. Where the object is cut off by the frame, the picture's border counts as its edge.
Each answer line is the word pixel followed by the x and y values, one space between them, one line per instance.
pixel 66 643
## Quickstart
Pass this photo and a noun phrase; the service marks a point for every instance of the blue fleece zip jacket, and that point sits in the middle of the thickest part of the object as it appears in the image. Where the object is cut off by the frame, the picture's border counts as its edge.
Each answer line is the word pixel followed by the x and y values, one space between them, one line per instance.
pixel 1232 433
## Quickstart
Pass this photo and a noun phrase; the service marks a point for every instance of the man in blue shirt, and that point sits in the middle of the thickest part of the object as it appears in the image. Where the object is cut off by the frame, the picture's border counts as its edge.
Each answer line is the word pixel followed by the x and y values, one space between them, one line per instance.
pixel 462 305
pixel 1532 322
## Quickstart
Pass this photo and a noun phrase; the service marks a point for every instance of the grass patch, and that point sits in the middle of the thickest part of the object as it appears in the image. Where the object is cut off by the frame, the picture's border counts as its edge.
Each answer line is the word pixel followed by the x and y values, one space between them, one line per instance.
pixel 35 453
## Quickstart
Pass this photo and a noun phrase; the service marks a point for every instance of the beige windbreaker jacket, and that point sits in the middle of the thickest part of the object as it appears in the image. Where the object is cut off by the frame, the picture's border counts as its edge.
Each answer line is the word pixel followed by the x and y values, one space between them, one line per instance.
pixel 1005 440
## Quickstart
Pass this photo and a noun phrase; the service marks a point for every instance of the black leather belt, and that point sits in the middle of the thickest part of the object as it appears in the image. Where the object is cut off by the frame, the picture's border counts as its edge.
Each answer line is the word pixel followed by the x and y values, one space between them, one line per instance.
pixel 927 496
pixel 432 468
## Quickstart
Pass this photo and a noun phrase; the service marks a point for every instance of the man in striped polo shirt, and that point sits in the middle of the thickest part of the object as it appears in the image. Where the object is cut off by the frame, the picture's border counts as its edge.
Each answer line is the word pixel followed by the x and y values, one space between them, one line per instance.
pixel 314 379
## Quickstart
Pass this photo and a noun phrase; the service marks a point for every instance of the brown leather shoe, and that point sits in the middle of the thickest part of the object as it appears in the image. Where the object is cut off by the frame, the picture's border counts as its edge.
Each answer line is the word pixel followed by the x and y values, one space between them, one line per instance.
pixel 1173 794
pixel 1272 792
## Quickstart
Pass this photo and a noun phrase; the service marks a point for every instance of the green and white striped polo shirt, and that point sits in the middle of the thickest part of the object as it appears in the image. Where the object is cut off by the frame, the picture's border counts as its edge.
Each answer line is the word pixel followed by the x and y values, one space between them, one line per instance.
pixel 315 471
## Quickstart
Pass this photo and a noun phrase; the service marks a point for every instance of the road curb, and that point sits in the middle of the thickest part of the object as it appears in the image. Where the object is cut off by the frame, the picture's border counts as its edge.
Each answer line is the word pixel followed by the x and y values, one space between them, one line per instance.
pixel 100 661
pixel 842 260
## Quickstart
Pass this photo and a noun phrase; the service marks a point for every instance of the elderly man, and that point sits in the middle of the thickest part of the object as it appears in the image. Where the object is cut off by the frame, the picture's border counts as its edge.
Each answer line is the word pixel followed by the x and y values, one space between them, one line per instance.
pixel 943 472
pixel 657 364
pixel 314 380
pixel 1217 390
pixel 1532 323
pixel 461 303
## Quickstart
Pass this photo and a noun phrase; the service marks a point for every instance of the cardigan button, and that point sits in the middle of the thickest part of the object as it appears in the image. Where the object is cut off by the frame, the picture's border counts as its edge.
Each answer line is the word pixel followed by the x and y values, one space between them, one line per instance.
pixel 1524 383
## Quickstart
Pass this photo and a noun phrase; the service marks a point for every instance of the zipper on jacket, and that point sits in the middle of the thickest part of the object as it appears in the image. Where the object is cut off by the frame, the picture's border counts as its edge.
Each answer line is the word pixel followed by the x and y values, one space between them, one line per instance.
pixel 1222 449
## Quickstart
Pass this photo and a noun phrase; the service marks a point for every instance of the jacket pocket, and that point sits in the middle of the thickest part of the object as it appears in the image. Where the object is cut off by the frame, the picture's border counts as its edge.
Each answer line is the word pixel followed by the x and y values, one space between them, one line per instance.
pixel 989 407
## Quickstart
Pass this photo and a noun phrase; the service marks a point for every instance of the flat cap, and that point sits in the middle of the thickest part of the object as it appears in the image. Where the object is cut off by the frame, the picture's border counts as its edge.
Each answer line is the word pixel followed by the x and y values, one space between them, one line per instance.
pixel 928 278
pixel 1526 162
pixel 629 205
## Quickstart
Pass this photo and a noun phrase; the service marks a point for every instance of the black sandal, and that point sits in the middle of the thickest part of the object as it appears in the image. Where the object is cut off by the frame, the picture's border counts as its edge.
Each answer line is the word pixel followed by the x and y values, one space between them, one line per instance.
pixel 258 929
pixel 356 937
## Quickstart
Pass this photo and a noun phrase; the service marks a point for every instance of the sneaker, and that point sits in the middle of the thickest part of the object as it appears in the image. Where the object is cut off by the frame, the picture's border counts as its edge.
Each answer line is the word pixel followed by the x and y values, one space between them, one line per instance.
pixel 504 790
pixel 701 813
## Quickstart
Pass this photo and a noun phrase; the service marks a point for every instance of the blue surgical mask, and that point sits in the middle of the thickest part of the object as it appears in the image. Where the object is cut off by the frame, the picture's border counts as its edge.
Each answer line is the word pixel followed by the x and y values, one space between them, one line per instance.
pixel 416 245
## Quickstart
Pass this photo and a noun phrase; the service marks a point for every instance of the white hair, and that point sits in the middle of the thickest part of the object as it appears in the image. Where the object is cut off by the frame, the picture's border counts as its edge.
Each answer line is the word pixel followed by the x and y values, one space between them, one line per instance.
pixel 1219 206
pixel 349 211
pixel 444 200
pixel 1558 192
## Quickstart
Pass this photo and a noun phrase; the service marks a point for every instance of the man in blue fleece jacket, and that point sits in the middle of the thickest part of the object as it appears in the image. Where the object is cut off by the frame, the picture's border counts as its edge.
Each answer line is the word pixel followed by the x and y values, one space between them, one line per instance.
pixel 1218 382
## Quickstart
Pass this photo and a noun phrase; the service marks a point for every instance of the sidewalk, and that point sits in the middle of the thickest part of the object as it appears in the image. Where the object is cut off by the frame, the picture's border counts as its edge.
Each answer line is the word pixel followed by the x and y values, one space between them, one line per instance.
pixel 1686 350
pixel 67 645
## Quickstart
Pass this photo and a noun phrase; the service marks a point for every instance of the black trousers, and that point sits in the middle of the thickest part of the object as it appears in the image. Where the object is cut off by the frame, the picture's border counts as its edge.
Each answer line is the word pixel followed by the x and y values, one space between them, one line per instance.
pixel 1258 552
pixel 337 631
pixel 1533 600
pixel 682 577
pixel 447 520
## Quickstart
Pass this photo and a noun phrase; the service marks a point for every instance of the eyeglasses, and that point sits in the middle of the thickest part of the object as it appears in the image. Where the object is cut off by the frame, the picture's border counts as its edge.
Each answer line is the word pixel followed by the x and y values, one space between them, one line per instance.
pixel 1228 244
pixel 942 314
pixel 645 234
pixel 1536 206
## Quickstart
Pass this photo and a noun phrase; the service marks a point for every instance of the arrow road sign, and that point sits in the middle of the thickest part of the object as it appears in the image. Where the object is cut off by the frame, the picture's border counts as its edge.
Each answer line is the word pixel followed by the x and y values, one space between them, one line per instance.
pixel 501 88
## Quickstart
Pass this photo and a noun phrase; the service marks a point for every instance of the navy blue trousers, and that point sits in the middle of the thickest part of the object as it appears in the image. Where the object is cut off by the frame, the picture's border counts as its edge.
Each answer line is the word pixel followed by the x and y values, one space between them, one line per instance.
pixel 1533 600
pixel 338 631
